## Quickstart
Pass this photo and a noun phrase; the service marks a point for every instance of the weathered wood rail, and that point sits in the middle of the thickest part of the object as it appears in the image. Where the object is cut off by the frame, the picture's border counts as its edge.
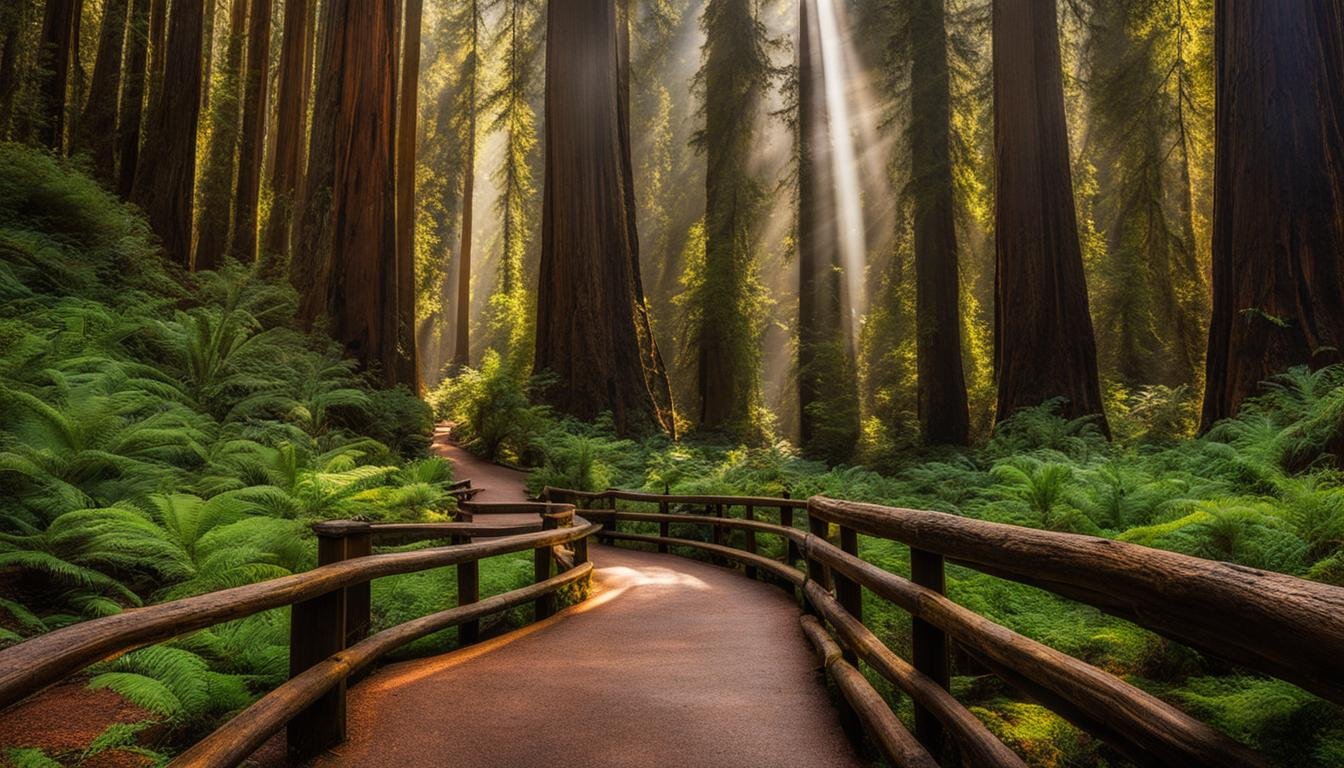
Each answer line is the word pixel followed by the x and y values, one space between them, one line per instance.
pixel 329 621
pixel 1286 627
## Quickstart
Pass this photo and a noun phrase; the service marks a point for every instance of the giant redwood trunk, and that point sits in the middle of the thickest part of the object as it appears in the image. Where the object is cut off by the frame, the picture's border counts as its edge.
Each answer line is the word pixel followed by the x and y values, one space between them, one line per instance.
pixel 943 413
pixel 587 304
pixel 167 168
pixel 408 366
pixel 462 337
pixel 1278 239
pixel 827 382
pixel 132 107
pixel 292 110
pixel 60 39
pixel 215 197
pixel 97 134
pixel 243 233
pixel 310 265
pixel 1044 346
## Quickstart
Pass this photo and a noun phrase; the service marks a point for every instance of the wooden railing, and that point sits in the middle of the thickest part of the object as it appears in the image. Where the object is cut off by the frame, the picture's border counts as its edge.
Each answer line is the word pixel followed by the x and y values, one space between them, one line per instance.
pixel 329 621
pixel 1267 622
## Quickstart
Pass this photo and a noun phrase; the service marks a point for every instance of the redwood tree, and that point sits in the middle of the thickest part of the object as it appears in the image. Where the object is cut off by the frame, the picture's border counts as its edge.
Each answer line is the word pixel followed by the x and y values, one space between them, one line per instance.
pixel 287 164
pixel 462 340
pixel 97 134
pixel 167 164
pixel 588 311
pixel 132 107
pixel 943 413
pixel 56 58
pixel 407 126
pixel 1278 239
pixel 216 189
pixel 243 232
pixel 1044 346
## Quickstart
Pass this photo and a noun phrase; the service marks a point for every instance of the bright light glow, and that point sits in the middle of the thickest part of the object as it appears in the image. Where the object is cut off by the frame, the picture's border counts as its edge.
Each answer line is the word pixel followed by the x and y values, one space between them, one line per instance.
pixel 853 249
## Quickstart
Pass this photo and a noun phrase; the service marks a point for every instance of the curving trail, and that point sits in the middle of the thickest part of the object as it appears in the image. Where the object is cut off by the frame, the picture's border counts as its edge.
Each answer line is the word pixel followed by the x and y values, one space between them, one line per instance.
pixel 672 663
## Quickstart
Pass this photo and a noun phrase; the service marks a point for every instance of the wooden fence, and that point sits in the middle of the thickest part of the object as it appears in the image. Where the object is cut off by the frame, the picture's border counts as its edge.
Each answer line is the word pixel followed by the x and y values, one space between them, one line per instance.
pixel 1266 622
pixel 329 620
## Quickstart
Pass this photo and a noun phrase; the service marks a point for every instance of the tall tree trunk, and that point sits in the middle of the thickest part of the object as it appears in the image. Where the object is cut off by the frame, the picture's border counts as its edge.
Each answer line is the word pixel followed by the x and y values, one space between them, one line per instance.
pixel 827 384
pixel 158 53
pixel 97 133
pixel 215 197
pixel 462 344
pixel 13 18
pixel 408 369
pixel 243 235
pixel 310 265
pixel 208 55
pixel 1044 345
pixel 363 290
pixel 132 107
pixel 288 156
pixel 60 38
pixel 167 167
pixel 587 313
pixel 1278 233
pixel 943 413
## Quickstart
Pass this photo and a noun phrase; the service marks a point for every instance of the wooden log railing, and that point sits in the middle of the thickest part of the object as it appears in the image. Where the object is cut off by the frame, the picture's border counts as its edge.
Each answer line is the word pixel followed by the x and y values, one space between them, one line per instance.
pixel 1286 627
pixel 329 624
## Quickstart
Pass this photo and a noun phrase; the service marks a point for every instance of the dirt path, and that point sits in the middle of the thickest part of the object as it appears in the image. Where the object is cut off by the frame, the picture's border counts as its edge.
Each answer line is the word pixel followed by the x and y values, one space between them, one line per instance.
pixel 673 663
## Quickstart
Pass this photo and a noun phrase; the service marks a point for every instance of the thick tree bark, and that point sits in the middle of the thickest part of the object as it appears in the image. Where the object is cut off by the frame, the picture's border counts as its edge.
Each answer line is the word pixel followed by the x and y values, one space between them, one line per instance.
pixel 13 18
pixel 158 53
pixel 1044 345
pixel 587 311
pixel 827 382
pixel 97 134
pixel 132 108
pixel 215 200
pixel 364 251
pixel 208 54
pixel 1278 240
pixel 462 342
pixel 943 413
pixel 167 166
pixel 243 234
pixel 56 59
pixel 287 166
pixel 408 368
pixel 310 264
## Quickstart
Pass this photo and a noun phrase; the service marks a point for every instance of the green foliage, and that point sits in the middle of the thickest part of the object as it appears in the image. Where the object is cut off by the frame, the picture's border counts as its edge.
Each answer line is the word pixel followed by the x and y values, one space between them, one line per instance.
pixel 491 409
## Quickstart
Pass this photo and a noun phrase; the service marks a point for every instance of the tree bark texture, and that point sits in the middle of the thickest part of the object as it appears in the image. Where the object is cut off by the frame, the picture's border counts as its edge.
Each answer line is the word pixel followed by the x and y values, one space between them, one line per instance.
pixel 310 263
pixel 289 139
pixel 167 165
pixel 1044 344
pixel 215 200
pixel 1278 239
pixel 408 368
pixel 132 107
pixel 60 24
pixel 13 19
pixel 462 337
pixel 587 306
pixel 97 125
pixel 943 412
pixel 243 234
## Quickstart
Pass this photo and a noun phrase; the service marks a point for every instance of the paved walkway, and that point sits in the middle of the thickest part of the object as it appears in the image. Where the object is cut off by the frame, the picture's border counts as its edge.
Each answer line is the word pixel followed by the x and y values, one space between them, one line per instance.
pixel 672 663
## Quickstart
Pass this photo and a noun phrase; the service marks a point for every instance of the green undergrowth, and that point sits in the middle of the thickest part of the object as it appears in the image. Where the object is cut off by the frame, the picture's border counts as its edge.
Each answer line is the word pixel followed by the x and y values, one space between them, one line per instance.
pixel 1263 490
pixel 165 435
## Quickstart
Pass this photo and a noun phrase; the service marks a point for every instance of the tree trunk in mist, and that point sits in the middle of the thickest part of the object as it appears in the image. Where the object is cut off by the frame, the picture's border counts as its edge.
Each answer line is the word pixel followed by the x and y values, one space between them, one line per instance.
pixel 97 133
pixel 1278 240
pixel 587 307
pixel 167 166
pixel 310 263
pixel 243 234
pixel 215 202
pixel 943 413
pixel 408 367
pixel 287 164
pixel 56 59
pixel 827 383
pixel 462 343
pixel 132 107
pixel 1044 345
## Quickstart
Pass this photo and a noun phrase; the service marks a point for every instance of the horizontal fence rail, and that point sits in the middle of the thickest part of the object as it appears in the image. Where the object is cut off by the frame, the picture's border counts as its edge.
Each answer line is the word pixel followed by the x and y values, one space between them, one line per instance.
pixel 1287 627
pixel 329 620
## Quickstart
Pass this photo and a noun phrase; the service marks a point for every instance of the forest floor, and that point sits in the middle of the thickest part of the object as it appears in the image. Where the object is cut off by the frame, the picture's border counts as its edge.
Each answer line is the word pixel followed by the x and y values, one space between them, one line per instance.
pixel 670 663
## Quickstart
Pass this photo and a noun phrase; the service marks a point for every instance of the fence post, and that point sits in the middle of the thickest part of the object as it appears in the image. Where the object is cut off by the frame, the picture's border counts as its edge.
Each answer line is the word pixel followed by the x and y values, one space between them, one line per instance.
pixel 541 563
pixel 929 647
pixel 848 592
pixel 358 599
pixel 317 629
pixel 791 553
pixel 718 536
pixel 664 527
pixel 749 513
pixel 468 592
